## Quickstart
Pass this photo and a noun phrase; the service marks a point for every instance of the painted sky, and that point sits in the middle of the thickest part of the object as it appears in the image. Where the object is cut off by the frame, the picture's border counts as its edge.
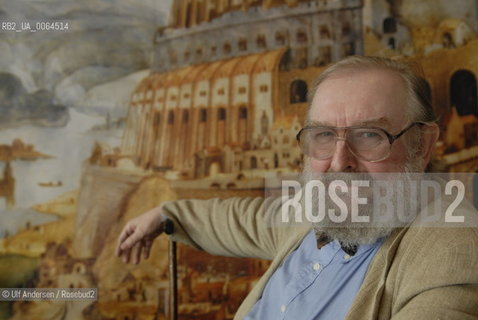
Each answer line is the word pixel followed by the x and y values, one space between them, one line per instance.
pixel 106 40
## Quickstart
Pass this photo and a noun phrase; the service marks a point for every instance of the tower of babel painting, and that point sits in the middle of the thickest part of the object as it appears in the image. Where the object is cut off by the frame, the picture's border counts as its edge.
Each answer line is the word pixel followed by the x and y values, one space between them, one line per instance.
pixel 228 89
pixel 227 94
pixel 230 78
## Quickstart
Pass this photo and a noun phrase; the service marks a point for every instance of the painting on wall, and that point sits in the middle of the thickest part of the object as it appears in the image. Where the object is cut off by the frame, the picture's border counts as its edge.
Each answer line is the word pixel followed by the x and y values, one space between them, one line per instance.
pixel 109 108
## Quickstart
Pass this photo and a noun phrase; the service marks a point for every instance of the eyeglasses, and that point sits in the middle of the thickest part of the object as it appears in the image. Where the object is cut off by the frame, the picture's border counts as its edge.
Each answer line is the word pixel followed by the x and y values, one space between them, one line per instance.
pixel 371 144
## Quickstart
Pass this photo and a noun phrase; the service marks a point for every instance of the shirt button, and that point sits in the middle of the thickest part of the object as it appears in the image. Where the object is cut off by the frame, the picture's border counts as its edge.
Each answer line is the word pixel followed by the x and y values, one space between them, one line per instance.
pixel 316 266
pixel 282 308
pixel 346 257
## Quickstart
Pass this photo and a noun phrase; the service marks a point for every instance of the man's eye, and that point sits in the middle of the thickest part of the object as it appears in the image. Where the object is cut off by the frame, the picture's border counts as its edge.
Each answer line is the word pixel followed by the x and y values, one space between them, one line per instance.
pixel 369 135
pixel 324 134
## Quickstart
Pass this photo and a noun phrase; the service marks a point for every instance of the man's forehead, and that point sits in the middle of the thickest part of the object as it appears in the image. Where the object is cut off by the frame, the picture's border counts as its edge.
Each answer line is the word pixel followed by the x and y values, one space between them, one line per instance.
pixel 382 122
pixel 365 97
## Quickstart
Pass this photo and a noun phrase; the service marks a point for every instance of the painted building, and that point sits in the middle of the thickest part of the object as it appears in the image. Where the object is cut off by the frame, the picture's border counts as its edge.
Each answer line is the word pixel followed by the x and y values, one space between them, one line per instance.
pixel 229 77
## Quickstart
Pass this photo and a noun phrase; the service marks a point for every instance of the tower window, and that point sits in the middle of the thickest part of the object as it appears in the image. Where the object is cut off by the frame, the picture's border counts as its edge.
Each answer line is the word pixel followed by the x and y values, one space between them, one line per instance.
pixel 298 91
pixel 185 116
pixel 447 40
pixel 243 113
pixel 391 43
pixel 325 56
pixel 280 39
pixel 221 114
pixel 261 41
pixel 227 48
pixel 324 32
pixel 198 53
pixel 348 48
pixel 242 44
pixel 389 25
pixel 463 92
pixel 301 36
pixel 170 117
pixel 346 29
pixel 203 115
pixel 253 162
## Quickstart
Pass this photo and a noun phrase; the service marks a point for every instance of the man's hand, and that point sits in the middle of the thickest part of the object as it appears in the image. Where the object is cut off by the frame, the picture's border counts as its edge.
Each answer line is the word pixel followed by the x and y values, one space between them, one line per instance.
pixel 138 235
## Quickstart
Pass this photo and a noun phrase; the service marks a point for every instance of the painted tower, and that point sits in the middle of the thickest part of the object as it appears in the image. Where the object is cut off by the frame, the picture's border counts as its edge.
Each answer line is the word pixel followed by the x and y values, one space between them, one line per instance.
pixel 230 77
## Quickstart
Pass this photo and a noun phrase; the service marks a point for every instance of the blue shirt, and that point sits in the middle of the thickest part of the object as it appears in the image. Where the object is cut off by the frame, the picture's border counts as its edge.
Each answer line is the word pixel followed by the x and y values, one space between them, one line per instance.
pixel 314 283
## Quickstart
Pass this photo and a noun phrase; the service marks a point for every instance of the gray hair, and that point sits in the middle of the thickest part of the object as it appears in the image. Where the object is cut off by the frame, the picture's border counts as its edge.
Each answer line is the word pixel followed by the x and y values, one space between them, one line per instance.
pixel 419 97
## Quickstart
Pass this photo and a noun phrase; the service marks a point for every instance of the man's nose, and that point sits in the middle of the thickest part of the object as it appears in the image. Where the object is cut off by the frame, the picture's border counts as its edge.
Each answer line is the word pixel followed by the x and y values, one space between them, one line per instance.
pixel 343 159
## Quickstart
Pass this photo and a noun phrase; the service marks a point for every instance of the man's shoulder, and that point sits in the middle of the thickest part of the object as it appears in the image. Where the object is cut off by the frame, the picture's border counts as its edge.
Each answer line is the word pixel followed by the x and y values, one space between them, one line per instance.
pixel 432 238
pixel 433 241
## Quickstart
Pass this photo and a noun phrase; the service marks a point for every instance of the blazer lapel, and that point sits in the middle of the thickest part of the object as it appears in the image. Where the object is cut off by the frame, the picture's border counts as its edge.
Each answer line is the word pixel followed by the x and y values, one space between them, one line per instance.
pixel 368 303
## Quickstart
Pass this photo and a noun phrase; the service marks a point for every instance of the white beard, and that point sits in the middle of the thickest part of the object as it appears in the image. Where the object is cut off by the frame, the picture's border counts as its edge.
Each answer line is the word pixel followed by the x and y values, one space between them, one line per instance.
pixel 350 233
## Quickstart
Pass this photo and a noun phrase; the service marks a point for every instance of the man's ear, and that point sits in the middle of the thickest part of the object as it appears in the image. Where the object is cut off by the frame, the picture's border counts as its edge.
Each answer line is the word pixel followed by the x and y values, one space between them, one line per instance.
pixel 430 135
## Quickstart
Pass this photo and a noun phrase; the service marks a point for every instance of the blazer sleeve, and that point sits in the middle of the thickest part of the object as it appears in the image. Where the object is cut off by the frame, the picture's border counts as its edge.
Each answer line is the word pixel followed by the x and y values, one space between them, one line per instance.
pixel 240 227
pixel 439 277
pixel 457 302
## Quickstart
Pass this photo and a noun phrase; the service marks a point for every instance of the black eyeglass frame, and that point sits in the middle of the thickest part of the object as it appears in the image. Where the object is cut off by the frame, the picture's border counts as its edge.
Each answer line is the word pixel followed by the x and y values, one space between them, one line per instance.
pixel 391 138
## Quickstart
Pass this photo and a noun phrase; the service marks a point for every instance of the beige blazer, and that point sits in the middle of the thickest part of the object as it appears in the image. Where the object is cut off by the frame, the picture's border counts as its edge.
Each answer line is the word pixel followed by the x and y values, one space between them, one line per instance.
pixel 418 272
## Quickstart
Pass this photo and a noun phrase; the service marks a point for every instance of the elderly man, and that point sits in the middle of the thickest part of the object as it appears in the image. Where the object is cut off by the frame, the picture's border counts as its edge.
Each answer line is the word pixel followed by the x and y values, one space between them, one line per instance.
pixel 368 115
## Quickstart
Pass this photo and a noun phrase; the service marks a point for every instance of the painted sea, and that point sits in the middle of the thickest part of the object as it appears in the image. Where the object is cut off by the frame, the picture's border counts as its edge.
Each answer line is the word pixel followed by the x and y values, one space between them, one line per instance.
pixel 70 146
